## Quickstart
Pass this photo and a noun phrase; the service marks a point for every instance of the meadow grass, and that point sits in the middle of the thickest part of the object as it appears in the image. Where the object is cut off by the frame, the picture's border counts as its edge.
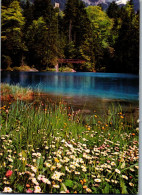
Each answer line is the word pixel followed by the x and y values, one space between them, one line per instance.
pixel 50 148
pixel 15 92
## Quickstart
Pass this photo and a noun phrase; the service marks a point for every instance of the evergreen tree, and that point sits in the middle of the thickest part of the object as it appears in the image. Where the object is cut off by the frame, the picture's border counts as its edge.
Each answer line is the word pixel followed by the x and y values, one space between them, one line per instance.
pixel 6 3
pixel 28 14
pixel 75 21
pixel 127 45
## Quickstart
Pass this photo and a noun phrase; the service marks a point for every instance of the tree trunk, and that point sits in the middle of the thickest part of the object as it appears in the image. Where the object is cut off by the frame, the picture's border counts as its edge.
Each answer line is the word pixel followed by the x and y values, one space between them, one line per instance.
pixel 70 29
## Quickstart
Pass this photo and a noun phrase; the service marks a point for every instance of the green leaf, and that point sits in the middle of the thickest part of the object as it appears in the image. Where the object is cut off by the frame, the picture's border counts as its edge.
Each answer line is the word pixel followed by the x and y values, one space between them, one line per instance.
pixel 123 186
pixel 69 183
pixel 20 188
pixel 106 189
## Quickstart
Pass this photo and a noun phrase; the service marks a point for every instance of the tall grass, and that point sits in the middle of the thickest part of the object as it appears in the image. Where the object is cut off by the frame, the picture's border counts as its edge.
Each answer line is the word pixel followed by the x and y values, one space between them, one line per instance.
pixel 76 154
pixel 15 92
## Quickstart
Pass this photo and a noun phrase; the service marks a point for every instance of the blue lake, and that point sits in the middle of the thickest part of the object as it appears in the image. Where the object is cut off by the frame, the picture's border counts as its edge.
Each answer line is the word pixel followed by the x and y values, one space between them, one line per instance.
pixel 100 85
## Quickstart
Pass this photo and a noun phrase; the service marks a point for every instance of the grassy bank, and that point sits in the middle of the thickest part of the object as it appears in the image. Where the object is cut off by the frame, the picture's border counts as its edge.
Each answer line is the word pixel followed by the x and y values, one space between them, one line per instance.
pixel 24 68
pixel 15 92
pixel 52 149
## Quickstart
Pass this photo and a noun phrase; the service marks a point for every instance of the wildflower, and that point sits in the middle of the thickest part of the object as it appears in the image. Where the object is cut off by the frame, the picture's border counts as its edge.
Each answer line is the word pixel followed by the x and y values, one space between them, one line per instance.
pixel 131 184
pixel 123 165
pixel 37 189
pixel 59 165
pixel 77 173
pixel 84 187
pixel 133 134
pixel 34 169
pixel 72 166
pixel 97 180
pixel 56 160
pixel 125 177
pixel 66 168
pixel 113 163
pixel 131 169
pixel 84 180
pixel 81 181
pixel 40 177
pixel 114 181
pixel 57 175
pixel 117 171
pixel 8 173
pixel 52 168
pixel 107 180
pixel 45 180
pixel 29 191
pixel 47 164
pixel 27 185
pixel 35 181
pixel 56 186
pixel 10 159
pixel 88 190
pixel 7 189
pixel 6 182
pixel 84 169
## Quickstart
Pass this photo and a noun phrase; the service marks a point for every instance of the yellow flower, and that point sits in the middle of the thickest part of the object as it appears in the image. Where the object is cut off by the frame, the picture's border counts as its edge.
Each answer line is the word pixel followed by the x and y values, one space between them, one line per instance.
pixel 56 160
pixel 84 180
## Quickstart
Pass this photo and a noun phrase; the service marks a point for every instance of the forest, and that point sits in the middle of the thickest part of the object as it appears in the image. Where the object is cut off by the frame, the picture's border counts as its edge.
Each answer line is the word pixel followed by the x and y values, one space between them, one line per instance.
pixel 38 34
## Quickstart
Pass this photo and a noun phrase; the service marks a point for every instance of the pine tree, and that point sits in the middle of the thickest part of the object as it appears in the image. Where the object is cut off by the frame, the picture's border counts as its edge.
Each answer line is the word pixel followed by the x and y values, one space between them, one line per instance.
pixel 76 26
pixel 127 44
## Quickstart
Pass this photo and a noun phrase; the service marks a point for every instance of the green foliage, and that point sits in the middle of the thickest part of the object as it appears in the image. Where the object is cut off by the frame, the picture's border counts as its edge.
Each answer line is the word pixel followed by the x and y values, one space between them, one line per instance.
pixel 123 187
pixel 37 43
pixel 101 23
pixel 69 183
pixel 127 43
pixel 12 24
pixel 38 34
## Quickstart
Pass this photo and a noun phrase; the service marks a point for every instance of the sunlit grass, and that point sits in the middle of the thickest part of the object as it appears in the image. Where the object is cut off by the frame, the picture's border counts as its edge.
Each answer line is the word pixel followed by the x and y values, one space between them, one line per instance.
pixel 15 92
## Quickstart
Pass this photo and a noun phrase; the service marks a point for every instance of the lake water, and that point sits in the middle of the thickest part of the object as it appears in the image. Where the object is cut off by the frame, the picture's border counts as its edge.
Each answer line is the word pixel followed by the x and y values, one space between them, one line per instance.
pixel 91 85
pixel 87 92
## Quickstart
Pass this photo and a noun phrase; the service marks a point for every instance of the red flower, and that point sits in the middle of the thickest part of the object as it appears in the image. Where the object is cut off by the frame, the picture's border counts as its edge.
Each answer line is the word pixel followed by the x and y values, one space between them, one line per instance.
pixel 29 191
pixel 8 173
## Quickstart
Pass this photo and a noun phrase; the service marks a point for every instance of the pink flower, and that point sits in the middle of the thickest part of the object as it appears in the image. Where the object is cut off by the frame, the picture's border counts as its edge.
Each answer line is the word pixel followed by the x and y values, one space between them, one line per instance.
pixel 67 191
pixel 8 173
pixel 29 191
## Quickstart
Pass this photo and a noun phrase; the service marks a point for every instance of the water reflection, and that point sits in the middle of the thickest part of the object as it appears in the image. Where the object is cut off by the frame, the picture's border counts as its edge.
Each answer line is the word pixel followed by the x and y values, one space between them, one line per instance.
pixel 102 85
